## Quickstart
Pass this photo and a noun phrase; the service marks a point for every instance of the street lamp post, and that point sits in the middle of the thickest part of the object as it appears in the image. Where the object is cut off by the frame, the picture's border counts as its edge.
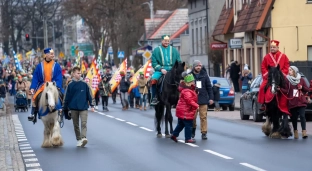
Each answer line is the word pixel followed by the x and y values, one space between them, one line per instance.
pixel 53 35
pixel 151 7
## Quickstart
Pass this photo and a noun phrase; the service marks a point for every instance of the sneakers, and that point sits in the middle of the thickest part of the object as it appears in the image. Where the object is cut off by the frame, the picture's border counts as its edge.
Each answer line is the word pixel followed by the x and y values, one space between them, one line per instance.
pixel 31 117
pixel 79 143
pixel 96 107
pixel 204 136
pixel 84 141
pixel 174 138
pixel 190 141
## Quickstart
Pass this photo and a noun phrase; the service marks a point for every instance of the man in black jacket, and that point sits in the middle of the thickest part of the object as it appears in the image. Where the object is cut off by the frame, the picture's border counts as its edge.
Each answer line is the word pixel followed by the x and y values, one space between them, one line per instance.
pixel 205 96
pixel 78 97
pixel 123 87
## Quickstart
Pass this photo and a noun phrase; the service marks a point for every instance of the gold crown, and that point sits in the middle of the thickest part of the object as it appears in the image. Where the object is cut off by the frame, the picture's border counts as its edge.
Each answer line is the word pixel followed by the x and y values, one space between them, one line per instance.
pixel 273 43
pixel 166 37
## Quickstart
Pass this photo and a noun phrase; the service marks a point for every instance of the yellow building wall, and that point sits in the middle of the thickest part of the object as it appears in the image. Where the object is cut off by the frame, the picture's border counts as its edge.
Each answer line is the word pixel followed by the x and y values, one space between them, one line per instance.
pixel 288 16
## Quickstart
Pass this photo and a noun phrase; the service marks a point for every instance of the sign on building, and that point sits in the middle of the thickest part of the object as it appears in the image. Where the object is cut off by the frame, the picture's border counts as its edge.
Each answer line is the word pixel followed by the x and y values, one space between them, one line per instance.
pixel 236 43
pixel 218 46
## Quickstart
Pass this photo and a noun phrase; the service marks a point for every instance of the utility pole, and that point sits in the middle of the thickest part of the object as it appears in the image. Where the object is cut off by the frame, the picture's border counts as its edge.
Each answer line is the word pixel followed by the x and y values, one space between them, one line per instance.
pixel 45 33
pixel 53 35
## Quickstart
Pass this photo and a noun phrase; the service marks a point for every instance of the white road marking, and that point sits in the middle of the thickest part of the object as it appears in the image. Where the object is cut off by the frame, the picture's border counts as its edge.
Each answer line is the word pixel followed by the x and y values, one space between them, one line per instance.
pixel 24 145
pixel 252 167
pixel 120 119
pixel 189 144
pixel 218 154
pixel 33 165
pixel 31 160
pixel 21 140
pixel 101 113
pixel 25 148
pixel 130 123
pixel 146 129
pixel 35 169
pixel 27 151
pixel 110 116
pixel 29 155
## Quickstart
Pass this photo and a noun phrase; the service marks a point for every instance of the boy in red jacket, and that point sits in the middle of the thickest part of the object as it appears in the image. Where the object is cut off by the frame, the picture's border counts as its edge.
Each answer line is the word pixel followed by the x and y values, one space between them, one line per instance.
pixel 186 108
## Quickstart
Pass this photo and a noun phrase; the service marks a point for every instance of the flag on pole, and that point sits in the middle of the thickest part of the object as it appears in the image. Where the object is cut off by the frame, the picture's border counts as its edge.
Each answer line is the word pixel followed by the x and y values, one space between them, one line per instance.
pixel 99 59
pixel 17 62
pixel 145 69
pixel 83 67
pixel 93 77
pixel 115 80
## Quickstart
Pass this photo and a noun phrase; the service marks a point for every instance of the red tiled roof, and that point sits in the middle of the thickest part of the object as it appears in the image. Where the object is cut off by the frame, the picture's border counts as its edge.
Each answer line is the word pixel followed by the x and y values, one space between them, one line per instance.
pixel 252 17
pixel 181 30
pixel 225 22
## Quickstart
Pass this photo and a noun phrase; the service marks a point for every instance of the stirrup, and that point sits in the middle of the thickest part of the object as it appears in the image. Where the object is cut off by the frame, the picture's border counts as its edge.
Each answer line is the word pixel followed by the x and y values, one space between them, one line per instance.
pixel 154 102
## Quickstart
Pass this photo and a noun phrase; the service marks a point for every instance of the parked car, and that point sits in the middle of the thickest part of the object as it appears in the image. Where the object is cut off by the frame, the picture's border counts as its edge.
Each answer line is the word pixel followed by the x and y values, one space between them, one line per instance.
pixel 227 94
pixel 249 105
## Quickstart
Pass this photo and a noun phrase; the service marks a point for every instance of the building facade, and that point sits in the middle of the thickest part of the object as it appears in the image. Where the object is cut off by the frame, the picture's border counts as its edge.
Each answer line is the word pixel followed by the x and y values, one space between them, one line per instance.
pixel 198 28
pixel 292 28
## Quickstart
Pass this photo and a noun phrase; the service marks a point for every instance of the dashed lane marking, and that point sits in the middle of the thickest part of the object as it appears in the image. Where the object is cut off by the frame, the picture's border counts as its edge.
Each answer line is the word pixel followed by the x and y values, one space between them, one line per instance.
pixel 110 116
pixel 189 144
pixel 101 113
pixel 34 169
pixel 31 160
pixel 218 154
pixel 29 155
pixel 120 119
pixel 146 129
pixel 33 165
pixel 130 123
pixel 252 167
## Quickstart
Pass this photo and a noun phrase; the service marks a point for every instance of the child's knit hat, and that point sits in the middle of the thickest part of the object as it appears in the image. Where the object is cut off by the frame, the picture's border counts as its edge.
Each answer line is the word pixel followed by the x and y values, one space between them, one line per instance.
pixel 189 78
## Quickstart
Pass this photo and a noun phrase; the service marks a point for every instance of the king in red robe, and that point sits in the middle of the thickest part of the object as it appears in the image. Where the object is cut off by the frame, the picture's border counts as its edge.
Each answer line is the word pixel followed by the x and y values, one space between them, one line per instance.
pixel 274 58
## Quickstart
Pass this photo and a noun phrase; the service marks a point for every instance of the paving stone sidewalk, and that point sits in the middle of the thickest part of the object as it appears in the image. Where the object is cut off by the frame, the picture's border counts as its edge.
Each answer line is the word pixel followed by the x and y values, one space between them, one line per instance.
pixel 10 155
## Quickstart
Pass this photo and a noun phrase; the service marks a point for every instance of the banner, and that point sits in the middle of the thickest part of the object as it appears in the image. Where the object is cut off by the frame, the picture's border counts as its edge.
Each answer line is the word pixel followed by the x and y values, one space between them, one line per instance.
pixel 115 80
pixel 145 69
pixel 93 77
pixel 83 66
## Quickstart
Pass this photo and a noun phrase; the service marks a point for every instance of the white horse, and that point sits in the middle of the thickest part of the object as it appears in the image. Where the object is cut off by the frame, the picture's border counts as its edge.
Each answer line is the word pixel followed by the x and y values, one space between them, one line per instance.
pixel 52 132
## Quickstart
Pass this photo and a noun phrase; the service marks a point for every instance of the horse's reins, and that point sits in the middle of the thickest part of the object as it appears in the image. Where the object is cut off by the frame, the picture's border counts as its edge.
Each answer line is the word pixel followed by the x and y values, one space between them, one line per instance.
pixel 175 84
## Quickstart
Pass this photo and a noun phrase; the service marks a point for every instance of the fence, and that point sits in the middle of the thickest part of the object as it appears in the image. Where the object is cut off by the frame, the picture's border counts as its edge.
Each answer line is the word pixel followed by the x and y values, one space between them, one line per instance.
pixel 304 66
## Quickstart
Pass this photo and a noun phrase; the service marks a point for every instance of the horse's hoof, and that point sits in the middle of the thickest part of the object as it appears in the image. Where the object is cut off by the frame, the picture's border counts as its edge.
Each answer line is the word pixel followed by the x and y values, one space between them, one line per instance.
pixel 46 145
pixel 276 135
pixel 159 135
pixel 168 136
pixel 266 129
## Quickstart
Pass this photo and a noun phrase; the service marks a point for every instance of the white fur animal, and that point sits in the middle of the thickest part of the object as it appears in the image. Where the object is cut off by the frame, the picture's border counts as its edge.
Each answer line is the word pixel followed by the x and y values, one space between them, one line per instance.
pixel 52 132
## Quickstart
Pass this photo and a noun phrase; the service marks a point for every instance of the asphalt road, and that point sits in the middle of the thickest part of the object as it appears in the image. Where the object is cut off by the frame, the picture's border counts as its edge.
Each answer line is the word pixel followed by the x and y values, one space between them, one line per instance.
pixel 121 140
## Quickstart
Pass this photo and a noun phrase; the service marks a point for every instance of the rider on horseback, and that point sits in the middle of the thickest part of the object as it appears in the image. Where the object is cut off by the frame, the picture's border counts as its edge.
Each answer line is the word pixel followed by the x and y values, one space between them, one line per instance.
pixel 274 58
pixel 46 71
pixel 163 59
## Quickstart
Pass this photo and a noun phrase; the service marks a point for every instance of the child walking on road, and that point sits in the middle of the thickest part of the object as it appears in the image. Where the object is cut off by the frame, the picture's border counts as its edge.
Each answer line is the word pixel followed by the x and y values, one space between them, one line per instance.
pixel 186 108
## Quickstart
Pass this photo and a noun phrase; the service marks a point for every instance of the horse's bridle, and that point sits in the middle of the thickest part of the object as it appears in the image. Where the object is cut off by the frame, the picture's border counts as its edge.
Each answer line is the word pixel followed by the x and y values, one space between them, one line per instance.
pixel 175 82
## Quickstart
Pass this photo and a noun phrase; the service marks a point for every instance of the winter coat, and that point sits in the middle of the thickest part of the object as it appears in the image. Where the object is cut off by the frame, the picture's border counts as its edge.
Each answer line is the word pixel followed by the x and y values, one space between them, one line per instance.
pixel 216 92
pixel 246 80
pixel 290 91
pixel 124 85
pixel 2 91
pixel 205 92
pixel 104 88
pixel 143 86
pixel 29 95
pixel 234 71
pixel 20 86
pixel 187 104
pixel 136 91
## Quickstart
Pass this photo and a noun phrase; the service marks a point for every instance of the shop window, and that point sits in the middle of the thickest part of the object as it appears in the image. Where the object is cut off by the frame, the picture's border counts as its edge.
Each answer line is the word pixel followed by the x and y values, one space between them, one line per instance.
pixel 310 53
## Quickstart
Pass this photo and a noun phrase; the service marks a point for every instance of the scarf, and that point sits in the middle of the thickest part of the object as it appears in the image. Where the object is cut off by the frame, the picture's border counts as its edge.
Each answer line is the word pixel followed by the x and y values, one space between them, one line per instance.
pixel 293 80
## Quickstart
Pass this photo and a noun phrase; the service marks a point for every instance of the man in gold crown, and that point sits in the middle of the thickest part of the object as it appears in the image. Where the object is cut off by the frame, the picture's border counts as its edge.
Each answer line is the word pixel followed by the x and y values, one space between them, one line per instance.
pixel 273 59
pixel 163 59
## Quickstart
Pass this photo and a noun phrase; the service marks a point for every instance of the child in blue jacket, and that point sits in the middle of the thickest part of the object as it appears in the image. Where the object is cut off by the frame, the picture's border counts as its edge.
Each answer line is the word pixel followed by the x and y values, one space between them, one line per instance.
pixel 137 96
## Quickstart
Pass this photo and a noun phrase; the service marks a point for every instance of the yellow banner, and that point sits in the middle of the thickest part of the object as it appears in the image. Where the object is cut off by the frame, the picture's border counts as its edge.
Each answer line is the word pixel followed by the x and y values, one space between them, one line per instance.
pixel 115 80
pixel 93 77
pixel 136 76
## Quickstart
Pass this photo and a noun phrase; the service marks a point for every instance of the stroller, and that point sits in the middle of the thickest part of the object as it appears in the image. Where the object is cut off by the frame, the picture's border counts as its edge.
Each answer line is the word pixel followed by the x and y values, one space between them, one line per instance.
pixel 21 101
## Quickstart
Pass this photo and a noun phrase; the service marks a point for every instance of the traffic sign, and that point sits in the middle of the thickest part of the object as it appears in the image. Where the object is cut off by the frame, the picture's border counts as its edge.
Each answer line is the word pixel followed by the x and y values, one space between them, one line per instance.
pixel 110 50
pixel 147 54
pixel 121 54
pixel 80 53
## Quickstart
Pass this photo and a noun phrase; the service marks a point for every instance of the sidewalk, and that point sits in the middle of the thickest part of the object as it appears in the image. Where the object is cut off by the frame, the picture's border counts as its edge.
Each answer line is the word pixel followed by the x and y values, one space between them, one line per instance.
pixel 10 155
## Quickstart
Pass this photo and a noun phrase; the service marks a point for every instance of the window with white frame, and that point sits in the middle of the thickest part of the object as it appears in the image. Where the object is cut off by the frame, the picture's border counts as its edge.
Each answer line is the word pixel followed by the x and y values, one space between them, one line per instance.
pixel 310 53
pixel 309 1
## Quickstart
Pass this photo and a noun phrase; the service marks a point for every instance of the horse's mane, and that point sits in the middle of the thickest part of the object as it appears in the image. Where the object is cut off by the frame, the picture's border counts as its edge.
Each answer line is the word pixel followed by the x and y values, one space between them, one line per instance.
pixel 278 77
pixel 43 100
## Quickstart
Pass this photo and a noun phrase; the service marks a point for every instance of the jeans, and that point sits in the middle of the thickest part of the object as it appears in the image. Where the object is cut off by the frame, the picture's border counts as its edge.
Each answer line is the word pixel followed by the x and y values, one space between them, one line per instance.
pixel 137 101
pixel 294 117
pixel 97 98
pixel 124 99
pixel 187 125
pixel 114 94
pixel 75 114
pixel 143 98
pixel 131 99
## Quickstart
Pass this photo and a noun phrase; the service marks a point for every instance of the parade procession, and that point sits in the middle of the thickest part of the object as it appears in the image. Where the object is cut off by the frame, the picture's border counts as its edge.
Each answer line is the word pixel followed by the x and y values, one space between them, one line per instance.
pixel 155 85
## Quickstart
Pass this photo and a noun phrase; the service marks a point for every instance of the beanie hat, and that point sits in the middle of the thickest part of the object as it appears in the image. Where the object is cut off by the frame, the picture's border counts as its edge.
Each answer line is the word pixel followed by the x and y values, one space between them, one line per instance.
pixel 122 73
pixel 189 78
pixel 141 73
pixel 214 82
pixel 196 63
pixel 295 69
